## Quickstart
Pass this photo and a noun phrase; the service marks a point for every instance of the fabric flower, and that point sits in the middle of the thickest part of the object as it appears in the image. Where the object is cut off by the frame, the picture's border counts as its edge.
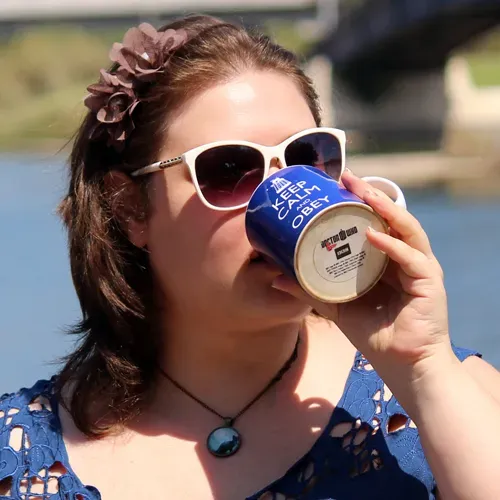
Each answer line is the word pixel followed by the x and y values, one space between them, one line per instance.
pixel 113 100
pixel 145 51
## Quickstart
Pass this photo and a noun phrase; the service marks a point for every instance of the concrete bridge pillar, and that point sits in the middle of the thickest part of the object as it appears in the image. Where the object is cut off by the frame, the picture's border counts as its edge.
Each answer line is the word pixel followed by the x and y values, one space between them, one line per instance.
pixel 410 115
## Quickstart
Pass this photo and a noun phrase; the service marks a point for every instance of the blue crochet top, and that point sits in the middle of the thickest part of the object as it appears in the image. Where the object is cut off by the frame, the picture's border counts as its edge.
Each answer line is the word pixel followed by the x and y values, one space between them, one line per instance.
pixel 369 449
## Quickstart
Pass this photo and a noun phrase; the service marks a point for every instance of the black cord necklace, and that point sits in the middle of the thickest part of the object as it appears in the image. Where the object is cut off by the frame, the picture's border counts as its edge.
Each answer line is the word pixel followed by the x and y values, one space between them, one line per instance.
pixel 225 441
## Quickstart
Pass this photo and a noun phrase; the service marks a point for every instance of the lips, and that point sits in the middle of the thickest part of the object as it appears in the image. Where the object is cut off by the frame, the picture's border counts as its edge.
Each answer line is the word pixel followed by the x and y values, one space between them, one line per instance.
pixel 258 258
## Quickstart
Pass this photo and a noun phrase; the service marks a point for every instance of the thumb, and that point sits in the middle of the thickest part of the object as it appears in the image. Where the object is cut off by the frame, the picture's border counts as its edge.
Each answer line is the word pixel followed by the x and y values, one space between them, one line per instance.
pixel 290 286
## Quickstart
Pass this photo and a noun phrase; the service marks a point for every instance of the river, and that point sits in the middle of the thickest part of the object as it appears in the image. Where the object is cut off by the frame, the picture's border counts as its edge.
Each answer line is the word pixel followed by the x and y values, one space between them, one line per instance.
pixel 37 300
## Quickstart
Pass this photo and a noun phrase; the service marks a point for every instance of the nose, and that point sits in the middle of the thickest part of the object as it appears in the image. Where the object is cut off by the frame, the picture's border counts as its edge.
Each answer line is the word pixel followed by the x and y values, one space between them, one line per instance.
pixel 275 166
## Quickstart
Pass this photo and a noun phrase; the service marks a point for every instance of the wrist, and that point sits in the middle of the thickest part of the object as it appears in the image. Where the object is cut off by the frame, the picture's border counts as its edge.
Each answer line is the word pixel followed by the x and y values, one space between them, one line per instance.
pixel 419 385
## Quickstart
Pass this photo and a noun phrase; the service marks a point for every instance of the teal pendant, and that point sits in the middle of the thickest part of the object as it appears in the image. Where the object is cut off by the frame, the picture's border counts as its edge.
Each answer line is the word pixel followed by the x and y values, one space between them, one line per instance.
pixel 224 441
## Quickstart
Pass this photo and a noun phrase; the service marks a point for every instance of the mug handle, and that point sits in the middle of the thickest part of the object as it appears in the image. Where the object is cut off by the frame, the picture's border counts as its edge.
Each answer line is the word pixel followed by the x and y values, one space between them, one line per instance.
pixel 388 187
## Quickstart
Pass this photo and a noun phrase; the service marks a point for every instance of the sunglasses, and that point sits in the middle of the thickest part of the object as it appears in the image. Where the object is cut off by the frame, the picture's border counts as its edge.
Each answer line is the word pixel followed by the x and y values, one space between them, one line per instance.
pixel 226 173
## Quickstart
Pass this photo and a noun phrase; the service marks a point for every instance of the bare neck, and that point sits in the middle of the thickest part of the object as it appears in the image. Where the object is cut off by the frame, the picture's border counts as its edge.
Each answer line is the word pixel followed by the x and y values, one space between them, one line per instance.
pixel 226 368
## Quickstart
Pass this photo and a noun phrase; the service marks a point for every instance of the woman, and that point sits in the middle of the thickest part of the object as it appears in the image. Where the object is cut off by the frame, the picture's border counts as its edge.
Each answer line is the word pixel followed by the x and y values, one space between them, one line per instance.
pixel 186 330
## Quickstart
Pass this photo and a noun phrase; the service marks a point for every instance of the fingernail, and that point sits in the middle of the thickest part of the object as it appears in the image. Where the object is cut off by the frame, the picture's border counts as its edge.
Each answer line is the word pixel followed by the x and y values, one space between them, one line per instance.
pixel 371 230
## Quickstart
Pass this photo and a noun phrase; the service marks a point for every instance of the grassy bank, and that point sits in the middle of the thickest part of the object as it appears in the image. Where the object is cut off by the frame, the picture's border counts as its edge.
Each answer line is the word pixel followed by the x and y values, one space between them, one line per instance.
pixel 485 69
pixel 45 72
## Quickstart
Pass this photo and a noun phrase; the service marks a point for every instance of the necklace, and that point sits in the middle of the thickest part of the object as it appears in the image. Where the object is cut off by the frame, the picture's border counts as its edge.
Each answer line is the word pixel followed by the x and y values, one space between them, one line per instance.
pixel 225 440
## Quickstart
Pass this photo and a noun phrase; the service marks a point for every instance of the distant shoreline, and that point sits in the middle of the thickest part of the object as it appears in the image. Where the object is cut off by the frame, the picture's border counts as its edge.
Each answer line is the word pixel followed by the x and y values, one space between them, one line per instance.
pixel 36 146
pixel 461 176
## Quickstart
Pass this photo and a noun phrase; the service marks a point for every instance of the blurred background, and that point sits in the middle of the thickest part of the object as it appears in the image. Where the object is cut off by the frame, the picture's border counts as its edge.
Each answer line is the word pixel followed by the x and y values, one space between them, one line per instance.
pixel 415 83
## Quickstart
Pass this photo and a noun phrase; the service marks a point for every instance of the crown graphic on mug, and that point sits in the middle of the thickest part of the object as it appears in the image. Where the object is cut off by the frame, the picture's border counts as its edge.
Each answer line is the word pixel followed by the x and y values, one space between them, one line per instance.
pixel 315 231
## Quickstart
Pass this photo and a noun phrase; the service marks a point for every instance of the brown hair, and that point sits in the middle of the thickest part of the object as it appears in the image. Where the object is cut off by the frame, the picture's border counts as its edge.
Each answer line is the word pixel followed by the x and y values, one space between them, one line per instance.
pixel 112 372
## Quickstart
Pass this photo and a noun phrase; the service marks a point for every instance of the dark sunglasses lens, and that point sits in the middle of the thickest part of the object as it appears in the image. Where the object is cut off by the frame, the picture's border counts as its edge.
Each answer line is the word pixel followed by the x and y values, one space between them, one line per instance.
pixel 318 149
pixel 228 175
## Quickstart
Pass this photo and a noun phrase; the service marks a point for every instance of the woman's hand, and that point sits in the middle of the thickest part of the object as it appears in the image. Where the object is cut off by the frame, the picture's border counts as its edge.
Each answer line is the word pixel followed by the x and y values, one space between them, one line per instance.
pixel 403 320
pixel 401 326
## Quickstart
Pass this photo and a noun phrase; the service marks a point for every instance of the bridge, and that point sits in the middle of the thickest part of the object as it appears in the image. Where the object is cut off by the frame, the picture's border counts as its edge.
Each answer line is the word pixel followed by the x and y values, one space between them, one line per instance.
pixel 16 13
pixel 388 56
pixel 380 39
pixel 389 59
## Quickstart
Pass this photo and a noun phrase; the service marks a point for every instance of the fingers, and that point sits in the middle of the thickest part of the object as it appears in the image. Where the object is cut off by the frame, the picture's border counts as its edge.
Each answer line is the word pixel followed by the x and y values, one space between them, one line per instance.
pixel 290 286
pixel 413 262
pixel 359 186
pixel 398 218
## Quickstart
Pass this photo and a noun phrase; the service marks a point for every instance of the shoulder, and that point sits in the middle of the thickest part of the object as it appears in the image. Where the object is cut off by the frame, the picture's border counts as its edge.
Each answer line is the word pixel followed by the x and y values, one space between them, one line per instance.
pixel 29 435
pixel 381 423
pixel 484 374
pixel 29 399
pixel 23 410
pixel 33 457
pixel 463 353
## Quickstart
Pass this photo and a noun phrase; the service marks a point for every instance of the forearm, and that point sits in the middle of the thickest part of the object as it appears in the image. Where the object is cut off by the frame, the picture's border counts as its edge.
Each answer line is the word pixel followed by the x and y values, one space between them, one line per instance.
pixel 457 420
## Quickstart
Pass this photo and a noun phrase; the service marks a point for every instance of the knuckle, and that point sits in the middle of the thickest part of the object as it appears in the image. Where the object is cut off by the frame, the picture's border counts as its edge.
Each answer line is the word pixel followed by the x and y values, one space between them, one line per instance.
pixel 381 194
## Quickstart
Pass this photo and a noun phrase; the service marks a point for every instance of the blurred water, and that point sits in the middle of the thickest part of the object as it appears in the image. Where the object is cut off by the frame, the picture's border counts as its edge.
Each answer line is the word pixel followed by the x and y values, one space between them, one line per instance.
pixel 37 300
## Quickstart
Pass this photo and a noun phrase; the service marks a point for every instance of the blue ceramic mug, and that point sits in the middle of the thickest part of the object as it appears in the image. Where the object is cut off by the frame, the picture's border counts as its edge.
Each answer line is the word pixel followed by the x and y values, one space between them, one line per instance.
pixel 315 231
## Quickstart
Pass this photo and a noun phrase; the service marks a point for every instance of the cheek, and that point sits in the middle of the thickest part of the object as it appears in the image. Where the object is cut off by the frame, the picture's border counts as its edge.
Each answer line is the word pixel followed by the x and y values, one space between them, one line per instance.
pixel 188 242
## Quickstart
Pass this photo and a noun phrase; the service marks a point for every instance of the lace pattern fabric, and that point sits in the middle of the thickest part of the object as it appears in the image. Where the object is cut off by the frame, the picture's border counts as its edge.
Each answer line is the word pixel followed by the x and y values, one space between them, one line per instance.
pixel 370 449
pixel 33 460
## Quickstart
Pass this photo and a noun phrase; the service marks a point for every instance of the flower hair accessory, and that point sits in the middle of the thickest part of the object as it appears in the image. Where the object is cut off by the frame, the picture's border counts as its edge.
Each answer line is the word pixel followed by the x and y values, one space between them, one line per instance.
pixel 143 53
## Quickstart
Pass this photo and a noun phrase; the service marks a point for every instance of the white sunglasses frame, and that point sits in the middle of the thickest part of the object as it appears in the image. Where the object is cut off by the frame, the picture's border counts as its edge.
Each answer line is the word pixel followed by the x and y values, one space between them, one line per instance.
pixel 269 153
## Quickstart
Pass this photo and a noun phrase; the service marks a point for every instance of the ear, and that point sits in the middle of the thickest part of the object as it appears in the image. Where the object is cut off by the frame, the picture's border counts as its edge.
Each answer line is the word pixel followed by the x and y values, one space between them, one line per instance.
pixel 128 206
